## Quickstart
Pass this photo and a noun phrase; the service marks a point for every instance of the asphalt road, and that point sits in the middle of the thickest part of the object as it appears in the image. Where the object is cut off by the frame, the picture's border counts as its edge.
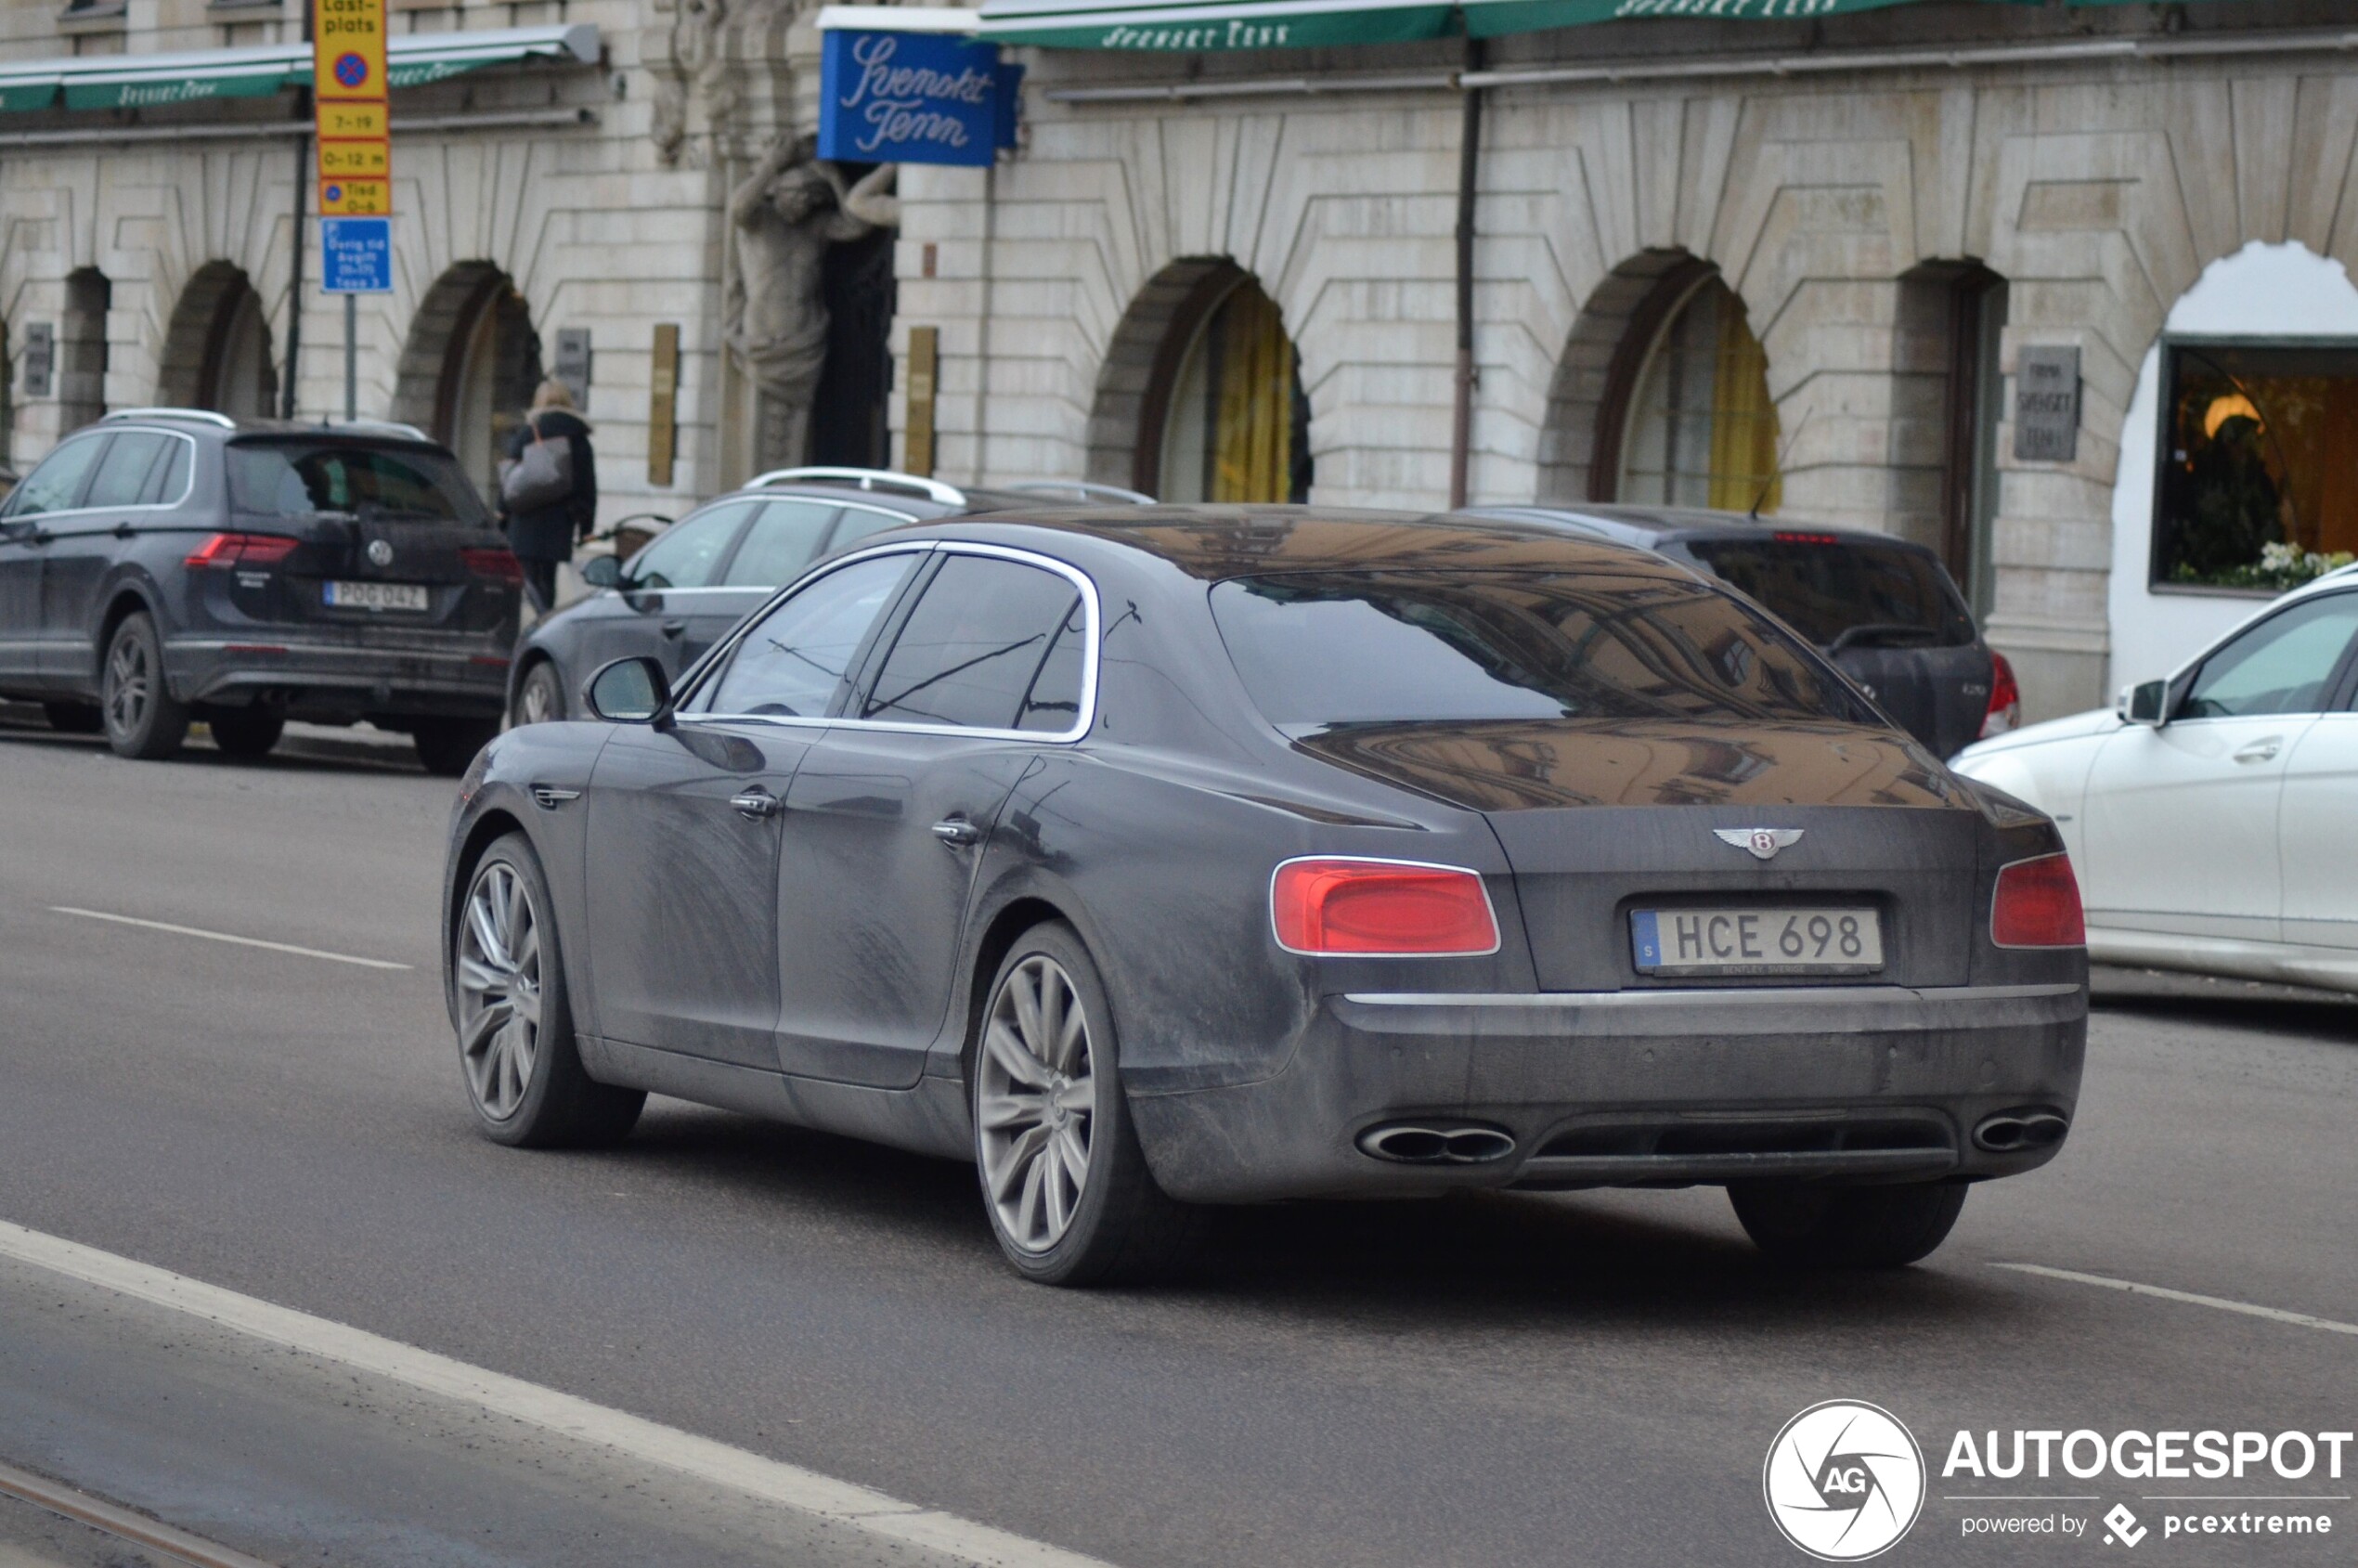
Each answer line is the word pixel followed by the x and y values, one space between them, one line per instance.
pixel 1579 1378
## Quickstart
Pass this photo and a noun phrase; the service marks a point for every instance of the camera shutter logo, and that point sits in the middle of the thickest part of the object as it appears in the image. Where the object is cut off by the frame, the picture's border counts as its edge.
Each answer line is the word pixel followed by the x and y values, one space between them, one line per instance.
pixel 1845 1481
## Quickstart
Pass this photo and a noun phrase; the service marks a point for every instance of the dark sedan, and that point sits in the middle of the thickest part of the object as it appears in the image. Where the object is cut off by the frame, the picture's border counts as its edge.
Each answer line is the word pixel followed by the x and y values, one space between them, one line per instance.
pixel 1884 609
pixel 1187 856
pixel 717 565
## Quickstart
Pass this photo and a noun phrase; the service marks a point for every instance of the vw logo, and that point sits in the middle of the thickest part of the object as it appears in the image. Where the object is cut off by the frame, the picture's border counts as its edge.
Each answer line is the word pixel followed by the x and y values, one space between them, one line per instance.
pixel 1845 1481
pixel 381 554
pixel 1763 842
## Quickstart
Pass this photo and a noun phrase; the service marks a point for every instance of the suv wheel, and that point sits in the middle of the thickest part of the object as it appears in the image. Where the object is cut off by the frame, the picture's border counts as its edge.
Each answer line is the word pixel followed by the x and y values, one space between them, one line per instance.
pixel 448 745
pixel 142 720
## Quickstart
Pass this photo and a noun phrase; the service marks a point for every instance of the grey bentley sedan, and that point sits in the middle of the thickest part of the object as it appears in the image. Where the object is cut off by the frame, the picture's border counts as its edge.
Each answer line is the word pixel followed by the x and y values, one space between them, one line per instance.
pixel 1156 858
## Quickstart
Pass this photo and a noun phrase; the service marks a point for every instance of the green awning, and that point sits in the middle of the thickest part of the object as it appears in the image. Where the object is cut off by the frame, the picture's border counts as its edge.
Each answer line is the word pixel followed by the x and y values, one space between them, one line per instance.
pixel 160 81
pixel 1192 26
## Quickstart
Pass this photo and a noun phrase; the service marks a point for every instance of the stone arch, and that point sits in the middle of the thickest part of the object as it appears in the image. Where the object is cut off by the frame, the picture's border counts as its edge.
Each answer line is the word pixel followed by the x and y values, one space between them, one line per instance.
pixel 1580 443
pixel 217 347
pixel 469 365
pixel 1203 327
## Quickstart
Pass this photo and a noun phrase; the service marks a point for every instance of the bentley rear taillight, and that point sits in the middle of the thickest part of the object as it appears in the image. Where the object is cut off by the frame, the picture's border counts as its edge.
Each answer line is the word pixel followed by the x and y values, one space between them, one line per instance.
pixel 1335 907
pixel 2037 904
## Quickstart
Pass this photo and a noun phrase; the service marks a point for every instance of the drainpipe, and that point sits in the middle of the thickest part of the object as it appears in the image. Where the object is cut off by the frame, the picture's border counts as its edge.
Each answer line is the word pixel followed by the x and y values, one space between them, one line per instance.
pixel 295 283
pixel 1469 166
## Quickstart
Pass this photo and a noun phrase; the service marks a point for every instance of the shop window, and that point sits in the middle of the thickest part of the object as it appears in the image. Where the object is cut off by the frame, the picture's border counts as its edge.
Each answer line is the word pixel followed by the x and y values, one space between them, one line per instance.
pixel 1700 429
pixel 2256 489
pixel 1236 426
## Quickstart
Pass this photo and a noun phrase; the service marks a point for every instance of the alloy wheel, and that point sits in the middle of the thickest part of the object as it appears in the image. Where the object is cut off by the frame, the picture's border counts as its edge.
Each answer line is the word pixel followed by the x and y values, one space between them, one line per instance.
pixel 128 679
pixel 499 989
pixel 539 702
pixel 1035 1102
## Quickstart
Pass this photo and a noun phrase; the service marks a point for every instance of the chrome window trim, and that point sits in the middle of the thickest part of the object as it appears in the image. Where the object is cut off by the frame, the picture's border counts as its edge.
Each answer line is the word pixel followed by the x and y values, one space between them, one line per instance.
pixel 1092 621
pixel 187 489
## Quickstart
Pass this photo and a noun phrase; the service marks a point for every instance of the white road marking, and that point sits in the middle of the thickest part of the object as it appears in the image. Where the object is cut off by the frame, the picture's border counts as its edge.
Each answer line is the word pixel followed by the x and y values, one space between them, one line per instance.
pixel 807 1492
pixel 225 937
pixel 2274 1315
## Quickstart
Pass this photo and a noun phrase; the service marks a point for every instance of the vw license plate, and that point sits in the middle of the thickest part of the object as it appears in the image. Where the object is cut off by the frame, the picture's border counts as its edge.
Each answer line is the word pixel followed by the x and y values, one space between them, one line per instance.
pixel 377 596
pixel 1753 941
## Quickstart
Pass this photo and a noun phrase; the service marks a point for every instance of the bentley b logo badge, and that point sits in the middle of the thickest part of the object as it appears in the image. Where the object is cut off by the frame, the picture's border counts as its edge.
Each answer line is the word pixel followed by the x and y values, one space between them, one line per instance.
pixel 1764 842
pixel 380 554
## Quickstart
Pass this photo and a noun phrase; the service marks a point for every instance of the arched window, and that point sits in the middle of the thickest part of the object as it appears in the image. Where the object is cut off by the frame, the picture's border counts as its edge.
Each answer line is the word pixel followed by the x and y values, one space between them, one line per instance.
pixel 469 365
pixel 1699 428
pixel 1235 421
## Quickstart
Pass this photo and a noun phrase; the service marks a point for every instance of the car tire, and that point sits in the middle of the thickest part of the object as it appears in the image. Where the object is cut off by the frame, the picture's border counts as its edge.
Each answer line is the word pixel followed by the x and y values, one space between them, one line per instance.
pixel 541 697
pixel 246 732
pixel 75 718
pixel 1065 1185
pixel 448 745
pixel 1848 1227
pixel 517 1054
pixel 143 721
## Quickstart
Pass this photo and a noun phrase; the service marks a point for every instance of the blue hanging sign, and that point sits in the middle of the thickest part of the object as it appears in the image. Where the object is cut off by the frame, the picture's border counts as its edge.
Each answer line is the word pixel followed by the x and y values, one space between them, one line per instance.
pixel 913 97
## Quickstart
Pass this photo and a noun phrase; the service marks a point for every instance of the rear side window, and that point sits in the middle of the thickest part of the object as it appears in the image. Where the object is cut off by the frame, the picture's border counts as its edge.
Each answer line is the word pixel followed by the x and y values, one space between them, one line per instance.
pixel 55 485
pixel 688 553
pixel 976 646
pixel 1832 590
pixel 121 479
pixel 783 540
pixel 298 479
pixel 1320 649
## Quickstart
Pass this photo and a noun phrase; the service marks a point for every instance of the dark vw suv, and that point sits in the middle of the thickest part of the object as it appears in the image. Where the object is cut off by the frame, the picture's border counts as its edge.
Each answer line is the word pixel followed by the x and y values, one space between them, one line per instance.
pixel 166 565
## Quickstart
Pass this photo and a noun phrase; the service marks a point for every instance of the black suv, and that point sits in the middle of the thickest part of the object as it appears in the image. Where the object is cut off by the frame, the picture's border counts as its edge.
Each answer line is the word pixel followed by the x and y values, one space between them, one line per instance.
pixel 1882 608
pixel 683 592
pixel 166 565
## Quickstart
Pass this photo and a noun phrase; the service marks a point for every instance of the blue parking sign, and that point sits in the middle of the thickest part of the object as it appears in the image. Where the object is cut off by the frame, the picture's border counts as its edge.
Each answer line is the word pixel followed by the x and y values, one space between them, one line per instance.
pixel 356 255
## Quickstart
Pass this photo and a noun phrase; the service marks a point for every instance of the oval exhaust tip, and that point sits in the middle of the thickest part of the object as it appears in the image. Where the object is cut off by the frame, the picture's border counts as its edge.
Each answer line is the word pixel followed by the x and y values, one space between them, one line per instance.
pixel 2012 1132
pixel 1413 1144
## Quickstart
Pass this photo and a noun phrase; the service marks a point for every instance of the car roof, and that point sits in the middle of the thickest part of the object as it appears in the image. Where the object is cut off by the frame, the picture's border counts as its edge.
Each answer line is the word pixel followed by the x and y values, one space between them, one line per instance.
pixel 916 506
pixel 1653 524
pixel 204 421
pixel 1216 542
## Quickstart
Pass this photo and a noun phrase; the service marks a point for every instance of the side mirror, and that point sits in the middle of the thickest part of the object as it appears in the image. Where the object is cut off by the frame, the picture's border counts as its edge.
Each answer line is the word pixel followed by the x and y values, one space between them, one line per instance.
pixel 2148 702
pixel 633 691
pixel 602 571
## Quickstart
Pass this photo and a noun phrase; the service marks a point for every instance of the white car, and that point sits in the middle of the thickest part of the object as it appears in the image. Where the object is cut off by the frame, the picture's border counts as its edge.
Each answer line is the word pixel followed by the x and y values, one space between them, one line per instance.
pixel 2213 817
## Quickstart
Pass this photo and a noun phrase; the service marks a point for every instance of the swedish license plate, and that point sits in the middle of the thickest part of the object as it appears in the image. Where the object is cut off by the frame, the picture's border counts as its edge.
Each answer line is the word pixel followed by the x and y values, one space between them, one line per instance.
pixel 376 596
pixel 1753 941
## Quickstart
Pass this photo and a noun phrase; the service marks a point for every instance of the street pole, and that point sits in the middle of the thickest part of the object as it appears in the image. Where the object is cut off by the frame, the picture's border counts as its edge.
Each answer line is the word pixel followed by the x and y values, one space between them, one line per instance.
pixel 351 358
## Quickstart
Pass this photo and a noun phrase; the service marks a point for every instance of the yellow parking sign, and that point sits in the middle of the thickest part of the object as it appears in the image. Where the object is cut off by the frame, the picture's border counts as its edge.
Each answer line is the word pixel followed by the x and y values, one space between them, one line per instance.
pixel 360 197
pixel 348 49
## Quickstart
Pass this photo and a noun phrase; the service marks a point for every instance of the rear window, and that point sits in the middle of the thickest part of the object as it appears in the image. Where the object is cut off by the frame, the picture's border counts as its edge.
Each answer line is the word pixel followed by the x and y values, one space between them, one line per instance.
pixel 291 479
pixel 1329 648
pixel 1830 590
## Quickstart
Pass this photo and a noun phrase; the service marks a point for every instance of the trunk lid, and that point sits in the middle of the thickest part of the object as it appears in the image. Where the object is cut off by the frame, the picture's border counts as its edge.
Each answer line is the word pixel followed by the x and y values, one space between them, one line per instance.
pixel 1600 818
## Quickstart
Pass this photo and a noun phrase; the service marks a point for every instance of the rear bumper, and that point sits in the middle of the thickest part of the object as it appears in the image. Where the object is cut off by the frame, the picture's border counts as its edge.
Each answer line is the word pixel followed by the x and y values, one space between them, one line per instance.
pixel 1626 1088
pixel 467 677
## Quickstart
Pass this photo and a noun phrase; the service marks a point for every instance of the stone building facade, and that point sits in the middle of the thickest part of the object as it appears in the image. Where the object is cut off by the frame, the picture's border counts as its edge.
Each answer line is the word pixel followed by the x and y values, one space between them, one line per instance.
pixel 1888 196
pixel 153 254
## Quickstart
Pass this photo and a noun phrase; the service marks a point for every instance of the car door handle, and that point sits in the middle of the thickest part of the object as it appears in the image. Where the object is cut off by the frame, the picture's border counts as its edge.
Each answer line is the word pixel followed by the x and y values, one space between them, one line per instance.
pixel 2261 751
pixel 673 628
pixel 755 803
pixel 957 833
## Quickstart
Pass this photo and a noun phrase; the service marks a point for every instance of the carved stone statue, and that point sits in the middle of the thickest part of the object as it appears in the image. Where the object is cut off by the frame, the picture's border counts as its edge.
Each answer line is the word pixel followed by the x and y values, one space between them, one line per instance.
pixel 786 215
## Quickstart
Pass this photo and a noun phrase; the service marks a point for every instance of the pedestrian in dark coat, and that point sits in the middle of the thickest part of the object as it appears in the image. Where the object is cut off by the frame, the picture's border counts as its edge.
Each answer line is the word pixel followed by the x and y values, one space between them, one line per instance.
pixel 544 538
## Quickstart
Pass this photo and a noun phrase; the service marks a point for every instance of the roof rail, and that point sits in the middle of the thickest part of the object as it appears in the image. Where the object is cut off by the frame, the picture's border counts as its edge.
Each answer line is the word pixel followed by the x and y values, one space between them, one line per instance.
pixel 865 478
pixel 1081 489
pixel 393 427
pixel 203 416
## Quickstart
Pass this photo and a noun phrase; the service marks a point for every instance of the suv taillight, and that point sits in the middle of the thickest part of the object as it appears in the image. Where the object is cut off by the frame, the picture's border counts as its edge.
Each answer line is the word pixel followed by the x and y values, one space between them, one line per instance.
pixel 2005 698
pixel 2037 904
pixel 496 561
pixel 1359 908
pixel 242 550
